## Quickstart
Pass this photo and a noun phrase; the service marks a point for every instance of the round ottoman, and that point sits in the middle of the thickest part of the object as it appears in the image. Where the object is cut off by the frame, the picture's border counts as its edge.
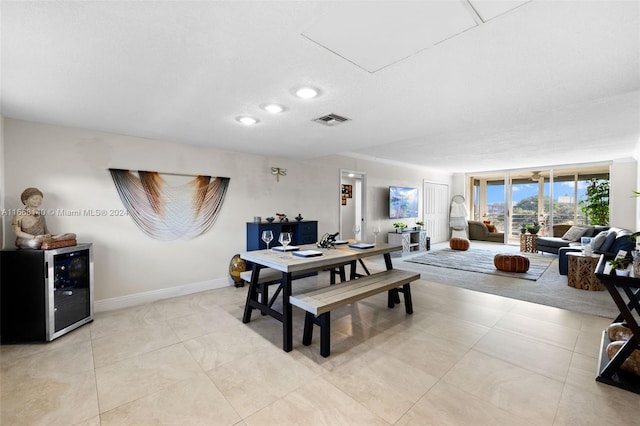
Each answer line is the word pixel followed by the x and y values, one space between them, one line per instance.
pixel 511 263
pixel 459 243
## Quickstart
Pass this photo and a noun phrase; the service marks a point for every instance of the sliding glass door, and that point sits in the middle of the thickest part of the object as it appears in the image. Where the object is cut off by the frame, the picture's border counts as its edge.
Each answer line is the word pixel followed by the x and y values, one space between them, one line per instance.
pixel 547 197
pixel 488 197
pixel 566 196
pixel 525 204
pixel 570 190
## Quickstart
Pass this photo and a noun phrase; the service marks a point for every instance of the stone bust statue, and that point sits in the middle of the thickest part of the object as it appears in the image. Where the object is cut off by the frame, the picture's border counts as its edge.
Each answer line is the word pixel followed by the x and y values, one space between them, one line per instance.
pixel 29 224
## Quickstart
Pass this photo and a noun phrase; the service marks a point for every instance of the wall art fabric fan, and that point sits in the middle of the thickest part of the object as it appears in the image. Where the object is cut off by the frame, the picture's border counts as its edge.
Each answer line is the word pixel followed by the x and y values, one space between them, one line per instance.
pixel 167 211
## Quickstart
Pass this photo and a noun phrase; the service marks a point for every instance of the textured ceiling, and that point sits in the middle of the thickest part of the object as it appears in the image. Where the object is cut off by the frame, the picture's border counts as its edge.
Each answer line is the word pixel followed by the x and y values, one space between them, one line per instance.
pixel 451 85
pixel 374 36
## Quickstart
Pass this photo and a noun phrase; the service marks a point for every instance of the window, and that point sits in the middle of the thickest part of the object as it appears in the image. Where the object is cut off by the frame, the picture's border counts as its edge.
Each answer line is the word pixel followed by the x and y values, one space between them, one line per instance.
pixel 548 197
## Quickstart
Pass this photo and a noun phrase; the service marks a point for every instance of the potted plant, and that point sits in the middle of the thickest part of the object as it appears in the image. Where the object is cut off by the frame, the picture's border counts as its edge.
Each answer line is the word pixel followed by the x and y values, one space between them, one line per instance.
pixel 399 227
pixel 533 228
pixel 523 228
pixel 419 225
pixel 618 265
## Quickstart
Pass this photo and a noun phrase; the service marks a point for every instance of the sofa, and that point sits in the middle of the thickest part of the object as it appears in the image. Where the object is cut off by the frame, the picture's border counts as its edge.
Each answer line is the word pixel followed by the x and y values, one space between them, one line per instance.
pixel 481 232
pixel 570 237
pixel 608 242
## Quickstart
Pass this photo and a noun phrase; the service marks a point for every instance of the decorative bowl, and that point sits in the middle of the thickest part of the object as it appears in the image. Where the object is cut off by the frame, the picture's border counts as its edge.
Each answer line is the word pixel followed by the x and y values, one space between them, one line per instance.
pixel 271 219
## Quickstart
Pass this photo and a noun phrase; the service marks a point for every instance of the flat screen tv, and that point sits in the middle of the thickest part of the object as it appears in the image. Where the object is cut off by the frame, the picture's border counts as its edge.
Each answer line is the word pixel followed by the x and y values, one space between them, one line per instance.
pixel 403 202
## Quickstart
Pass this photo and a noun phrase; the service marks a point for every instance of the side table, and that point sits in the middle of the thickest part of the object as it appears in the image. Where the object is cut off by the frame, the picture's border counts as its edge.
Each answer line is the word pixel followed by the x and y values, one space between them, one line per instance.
pixel 625 292
pixel 528 243
pixel 582 272
pixel 411 241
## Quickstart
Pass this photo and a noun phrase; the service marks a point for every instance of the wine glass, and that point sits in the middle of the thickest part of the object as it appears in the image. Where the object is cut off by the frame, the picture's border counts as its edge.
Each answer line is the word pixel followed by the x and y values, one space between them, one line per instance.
pixel 267 237
pixel 285 239
pixel 356 231
pixel 376 231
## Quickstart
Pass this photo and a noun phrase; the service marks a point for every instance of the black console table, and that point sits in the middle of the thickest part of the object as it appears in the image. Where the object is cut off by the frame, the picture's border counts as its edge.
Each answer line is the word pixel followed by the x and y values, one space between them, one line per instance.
pixel 625 292
pixel 303 232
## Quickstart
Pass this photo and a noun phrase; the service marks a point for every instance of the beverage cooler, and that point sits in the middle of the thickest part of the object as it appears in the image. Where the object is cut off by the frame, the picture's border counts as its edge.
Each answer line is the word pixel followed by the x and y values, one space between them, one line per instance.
pixel 45 294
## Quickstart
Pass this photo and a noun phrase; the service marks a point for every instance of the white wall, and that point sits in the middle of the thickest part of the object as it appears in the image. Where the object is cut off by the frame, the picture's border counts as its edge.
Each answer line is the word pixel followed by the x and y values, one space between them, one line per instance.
pixel 460 185
pixel 71 165
pixel 2 189
pixel 622 203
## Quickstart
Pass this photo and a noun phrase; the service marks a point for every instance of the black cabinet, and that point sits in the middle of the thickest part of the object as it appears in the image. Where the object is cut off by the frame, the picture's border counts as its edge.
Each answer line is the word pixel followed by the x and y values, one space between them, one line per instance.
pixel 303 232
pixel 45 293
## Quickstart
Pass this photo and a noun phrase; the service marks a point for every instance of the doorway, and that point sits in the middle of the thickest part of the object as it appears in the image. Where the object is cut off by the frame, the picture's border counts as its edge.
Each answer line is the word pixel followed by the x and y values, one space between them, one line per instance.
pixel 436 211
pixel 353 205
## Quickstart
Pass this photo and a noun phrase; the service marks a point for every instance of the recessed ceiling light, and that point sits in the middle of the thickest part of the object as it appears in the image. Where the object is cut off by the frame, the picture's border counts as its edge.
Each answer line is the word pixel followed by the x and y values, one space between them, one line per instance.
pixel 245 119
pixel 307 92
pixel 273 108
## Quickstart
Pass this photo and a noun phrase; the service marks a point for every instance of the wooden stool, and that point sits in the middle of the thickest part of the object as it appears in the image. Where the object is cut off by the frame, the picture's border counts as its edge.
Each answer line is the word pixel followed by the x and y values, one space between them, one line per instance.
pixel 581 273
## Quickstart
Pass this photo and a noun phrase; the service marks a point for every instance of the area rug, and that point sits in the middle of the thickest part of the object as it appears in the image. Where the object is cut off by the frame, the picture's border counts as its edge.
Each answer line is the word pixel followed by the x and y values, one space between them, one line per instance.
pixel 478 260
pixel 550 289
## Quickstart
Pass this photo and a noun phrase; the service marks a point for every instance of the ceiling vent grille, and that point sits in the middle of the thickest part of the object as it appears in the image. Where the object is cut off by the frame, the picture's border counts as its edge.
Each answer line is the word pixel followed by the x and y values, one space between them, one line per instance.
pixel 331 119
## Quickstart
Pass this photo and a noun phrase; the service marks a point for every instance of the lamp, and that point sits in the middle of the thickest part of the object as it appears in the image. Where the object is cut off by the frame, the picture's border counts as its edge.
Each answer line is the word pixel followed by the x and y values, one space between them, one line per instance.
pixel 307 92
pixel 246 120
pixel 278 172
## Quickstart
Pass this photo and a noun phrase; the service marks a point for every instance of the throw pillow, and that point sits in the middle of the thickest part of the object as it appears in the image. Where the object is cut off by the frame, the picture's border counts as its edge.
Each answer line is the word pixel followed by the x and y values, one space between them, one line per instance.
pixel 597 241
pixel 574 233
pixel 492 228
pixel 608 242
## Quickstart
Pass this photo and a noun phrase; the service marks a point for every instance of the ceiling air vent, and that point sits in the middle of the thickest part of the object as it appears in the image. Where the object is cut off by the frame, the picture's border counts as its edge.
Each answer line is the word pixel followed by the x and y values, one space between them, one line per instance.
pixel 331 119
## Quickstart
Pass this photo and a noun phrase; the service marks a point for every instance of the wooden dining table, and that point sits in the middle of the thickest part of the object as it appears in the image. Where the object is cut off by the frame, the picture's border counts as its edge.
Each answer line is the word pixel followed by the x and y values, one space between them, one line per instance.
pixel 290 264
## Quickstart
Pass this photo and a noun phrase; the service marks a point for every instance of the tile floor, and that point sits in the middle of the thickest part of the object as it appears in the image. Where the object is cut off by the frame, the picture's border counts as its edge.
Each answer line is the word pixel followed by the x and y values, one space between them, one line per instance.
pixel 463 358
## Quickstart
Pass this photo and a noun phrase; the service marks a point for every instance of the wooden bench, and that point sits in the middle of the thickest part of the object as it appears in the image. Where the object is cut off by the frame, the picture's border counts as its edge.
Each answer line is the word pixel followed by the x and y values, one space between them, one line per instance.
pixel 270 276
pixel 319 303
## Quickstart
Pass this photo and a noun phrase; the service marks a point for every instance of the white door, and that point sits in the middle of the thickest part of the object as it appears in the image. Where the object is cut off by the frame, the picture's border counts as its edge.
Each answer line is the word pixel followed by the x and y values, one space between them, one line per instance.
pixel 436 211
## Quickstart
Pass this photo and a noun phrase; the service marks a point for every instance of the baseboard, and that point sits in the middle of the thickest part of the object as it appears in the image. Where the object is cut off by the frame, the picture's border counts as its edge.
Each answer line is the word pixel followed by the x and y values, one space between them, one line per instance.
pixel 152 296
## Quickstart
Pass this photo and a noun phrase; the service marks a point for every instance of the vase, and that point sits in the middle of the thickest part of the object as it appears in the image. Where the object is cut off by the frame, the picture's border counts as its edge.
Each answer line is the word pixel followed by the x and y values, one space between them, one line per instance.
pixel 236 266
pixel 622 272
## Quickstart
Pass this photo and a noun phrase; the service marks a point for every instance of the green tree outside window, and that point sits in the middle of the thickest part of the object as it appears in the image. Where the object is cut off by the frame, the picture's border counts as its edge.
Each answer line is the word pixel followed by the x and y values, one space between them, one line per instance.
pixel 596 205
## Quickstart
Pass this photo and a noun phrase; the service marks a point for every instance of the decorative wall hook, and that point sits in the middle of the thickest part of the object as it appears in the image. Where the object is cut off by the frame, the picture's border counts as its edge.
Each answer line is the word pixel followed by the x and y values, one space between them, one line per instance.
pixel 278 172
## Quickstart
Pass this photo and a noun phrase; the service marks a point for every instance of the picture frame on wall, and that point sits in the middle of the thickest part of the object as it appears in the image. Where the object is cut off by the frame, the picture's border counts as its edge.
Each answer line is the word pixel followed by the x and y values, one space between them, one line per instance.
pixel 347 191
pixel 343 201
